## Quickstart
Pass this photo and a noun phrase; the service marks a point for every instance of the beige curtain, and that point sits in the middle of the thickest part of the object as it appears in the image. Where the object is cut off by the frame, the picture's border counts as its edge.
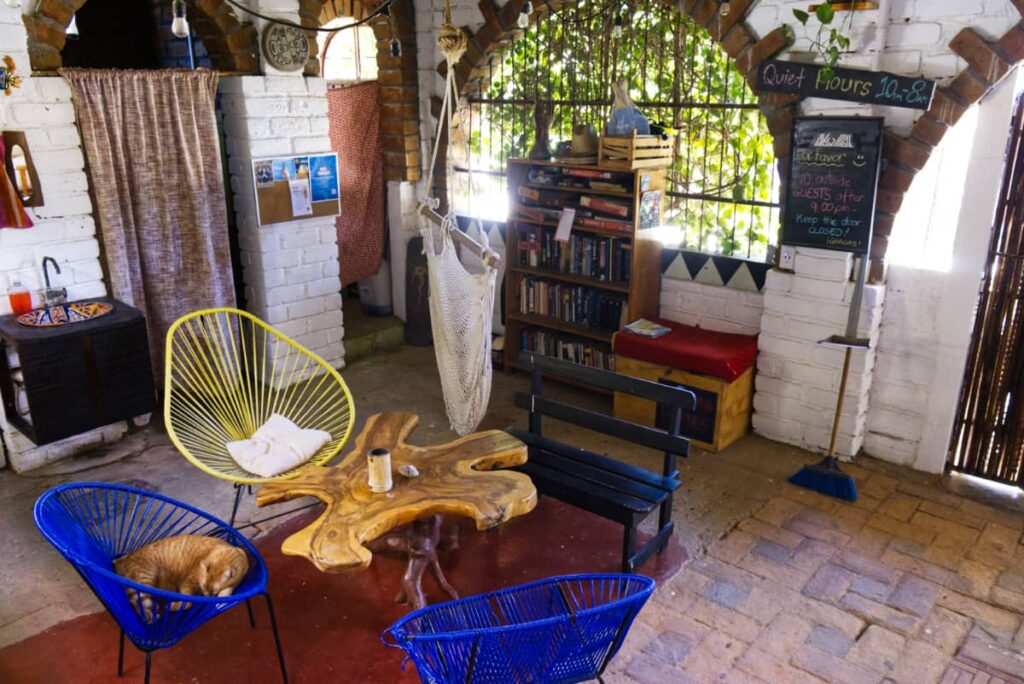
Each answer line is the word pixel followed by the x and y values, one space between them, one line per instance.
pixel 154 162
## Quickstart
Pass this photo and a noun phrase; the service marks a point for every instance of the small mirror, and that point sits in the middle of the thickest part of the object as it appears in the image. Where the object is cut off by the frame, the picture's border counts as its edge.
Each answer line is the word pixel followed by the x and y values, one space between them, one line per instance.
pixel 22 179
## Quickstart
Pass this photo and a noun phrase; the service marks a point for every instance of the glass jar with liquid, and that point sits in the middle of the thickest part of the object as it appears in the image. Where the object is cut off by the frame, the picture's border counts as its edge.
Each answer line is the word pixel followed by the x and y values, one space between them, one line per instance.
pixel 19 297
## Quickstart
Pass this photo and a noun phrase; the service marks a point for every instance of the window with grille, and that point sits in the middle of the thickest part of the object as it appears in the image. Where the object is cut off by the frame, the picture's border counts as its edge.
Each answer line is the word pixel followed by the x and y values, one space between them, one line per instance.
pixel 348 56
pixel 723 189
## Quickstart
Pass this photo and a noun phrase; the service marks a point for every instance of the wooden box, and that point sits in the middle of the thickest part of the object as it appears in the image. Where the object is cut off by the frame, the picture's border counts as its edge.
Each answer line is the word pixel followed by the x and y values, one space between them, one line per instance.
pixel 636 152
pixel 723 408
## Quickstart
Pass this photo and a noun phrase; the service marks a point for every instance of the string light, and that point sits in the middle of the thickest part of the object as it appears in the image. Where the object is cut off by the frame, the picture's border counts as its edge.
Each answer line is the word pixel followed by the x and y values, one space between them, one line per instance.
pixel 725 8
pixel 617 26
pixel 179 26
pixel 523 20
pixel 395 46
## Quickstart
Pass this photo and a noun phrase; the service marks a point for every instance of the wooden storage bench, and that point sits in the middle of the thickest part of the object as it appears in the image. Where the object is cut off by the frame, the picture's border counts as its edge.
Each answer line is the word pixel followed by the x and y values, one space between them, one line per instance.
pixel 717 367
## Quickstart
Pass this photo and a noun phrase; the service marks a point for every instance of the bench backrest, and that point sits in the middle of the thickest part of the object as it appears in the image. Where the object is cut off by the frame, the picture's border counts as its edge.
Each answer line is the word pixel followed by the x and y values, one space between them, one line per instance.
pixel 676 399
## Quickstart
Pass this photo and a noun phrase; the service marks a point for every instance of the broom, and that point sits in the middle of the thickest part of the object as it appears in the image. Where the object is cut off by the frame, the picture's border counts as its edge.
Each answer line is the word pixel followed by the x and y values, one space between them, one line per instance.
pixel 826 476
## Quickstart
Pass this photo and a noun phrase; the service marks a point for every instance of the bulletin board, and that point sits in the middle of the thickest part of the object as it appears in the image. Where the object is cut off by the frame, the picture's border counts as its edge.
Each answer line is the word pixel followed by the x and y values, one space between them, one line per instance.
pixel 296 187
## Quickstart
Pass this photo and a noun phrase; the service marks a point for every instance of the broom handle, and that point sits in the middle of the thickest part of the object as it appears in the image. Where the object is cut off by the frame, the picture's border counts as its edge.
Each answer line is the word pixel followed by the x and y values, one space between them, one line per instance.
pixel 839 404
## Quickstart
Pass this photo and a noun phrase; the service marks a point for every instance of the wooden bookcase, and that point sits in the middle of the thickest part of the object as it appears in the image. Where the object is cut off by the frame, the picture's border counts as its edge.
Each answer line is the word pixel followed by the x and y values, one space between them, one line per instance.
pixel 635 250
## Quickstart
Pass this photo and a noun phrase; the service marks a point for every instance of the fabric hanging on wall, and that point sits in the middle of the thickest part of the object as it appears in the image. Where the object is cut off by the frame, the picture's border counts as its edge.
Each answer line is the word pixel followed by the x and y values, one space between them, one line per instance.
pixel 354 113
pixel 154 163
pixel 12 211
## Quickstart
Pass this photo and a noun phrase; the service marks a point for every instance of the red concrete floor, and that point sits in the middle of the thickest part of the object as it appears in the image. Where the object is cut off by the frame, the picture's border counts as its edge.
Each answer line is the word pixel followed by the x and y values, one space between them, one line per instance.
pixel 330 624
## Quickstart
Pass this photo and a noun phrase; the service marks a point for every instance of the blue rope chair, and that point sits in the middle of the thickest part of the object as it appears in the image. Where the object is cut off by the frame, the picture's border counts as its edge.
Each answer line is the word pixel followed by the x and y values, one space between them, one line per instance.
pixel 92 524
pixel 561 629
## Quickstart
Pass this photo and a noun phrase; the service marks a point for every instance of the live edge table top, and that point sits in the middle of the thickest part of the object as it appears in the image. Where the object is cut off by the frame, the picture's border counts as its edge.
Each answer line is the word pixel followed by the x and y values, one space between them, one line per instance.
pixel 463 478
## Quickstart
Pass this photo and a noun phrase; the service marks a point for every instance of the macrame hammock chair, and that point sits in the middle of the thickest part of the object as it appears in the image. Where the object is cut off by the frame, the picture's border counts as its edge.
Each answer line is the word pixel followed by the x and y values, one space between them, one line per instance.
pixel 461 303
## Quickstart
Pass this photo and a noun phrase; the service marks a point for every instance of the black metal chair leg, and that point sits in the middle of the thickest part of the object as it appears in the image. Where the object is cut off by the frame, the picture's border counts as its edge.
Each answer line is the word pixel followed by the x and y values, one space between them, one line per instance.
pixel 238 500
pixel 148 656
pixel 120 656
pixel 248 607
pixel 277 638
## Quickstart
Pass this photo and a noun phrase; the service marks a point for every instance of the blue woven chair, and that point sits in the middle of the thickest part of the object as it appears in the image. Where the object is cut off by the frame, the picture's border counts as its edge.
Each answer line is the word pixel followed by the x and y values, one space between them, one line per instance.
pixel 558 630
pixel 92 524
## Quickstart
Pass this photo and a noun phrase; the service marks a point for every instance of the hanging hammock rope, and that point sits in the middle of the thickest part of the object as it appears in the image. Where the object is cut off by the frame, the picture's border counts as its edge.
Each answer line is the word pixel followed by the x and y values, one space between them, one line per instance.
pixel 461 303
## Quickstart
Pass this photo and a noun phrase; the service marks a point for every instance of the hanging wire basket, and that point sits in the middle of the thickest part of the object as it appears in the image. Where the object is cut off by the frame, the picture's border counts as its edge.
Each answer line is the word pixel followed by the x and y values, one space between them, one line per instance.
pixel 561 629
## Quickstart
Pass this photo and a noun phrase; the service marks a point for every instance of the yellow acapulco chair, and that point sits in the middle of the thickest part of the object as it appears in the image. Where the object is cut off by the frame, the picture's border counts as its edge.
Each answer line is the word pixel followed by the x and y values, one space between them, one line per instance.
pixel 226 371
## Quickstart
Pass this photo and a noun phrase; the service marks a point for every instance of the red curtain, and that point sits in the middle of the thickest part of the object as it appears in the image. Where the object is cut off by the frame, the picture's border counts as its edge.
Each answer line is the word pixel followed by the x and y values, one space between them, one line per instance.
pixel 354 113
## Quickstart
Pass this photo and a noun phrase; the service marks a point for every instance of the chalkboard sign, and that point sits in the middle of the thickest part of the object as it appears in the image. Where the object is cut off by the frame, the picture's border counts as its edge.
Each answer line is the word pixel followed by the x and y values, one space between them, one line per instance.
pixel 833 177
pixel 851 85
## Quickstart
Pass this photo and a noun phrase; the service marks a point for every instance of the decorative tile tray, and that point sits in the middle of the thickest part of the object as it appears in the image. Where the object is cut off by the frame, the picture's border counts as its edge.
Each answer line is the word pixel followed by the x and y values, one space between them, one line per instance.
pixel 63 315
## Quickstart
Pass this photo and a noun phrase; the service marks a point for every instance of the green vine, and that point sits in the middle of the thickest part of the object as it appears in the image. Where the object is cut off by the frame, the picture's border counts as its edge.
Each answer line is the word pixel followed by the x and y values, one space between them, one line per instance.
pixel 829 41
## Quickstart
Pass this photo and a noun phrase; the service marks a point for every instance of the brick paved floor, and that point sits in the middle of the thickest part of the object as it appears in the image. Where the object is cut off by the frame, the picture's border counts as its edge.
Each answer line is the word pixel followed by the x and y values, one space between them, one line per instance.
pixel 911 583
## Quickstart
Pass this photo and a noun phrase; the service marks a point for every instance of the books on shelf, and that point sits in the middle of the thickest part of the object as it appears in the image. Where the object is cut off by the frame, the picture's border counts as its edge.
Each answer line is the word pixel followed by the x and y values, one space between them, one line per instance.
pixel 574 178
pixel 576 304
pixel 605 206
pixel 602 258
pixel 647 328
pixel 567 348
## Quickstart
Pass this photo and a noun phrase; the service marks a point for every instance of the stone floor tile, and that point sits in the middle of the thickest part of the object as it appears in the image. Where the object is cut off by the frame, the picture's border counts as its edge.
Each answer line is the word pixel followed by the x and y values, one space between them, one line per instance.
pixel 726 594
pixel 830 640
pixel 878 649
pixel 820 613
pixel 898 528
pixel 1014 581
pixel 920 663
pixel 829 583
pixel 731 622
pixel 1011 519
pixel 1004 598
pixel 814 530
pixel 955 514
pixel 899 506
pixel 999 538
pixel 811 499
pixel 914 595
pixel 778 511
pixel 789 574
pixel 811 554
pixel 867 566
pixel 732 572
pixel 930 492
pixel 867 502
pixel 996 620
pixel 994 656
pixel 768 599
pixel 738 676
pixel 869 542
pixel 868 587
pixel 974 579
pixel 669 648
pixel 776 553
pixel 764 530
pixel 769 668
pixel 945 630
pixel 878 485
pixel 714 658
pixel 908 563
pixel 830 668
pixel 783 636
pixel 686 628
pixel 732 547
pixel 877 613
pixel 647 668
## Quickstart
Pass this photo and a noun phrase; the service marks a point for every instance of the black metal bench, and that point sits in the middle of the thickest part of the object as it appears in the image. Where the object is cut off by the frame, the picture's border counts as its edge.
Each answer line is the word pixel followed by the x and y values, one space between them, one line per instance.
pixel 605 486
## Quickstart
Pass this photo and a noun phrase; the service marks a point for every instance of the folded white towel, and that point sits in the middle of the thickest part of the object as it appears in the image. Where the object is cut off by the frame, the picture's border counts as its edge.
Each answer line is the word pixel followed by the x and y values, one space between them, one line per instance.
pixel 277 446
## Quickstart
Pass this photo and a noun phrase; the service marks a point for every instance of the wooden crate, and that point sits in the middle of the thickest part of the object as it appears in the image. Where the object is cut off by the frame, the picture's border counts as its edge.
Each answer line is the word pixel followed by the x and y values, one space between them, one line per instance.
pixel 617 153
pixel 723 408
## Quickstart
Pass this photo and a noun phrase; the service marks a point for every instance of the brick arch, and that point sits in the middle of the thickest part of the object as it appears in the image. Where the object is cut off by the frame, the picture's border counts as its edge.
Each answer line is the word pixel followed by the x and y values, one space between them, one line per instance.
pixel 231 45
pixel 730 32
pixel 397 76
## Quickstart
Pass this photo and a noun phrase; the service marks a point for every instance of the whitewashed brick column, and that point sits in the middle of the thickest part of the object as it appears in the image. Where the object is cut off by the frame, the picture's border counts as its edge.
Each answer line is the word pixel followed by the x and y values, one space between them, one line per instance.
pixel 797 379
pixel 64 227
pixel 290 269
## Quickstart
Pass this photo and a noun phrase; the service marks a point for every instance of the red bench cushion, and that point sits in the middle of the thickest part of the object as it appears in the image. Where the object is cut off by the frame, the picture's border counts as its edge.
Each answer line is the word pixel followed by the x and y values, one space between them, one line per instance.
pixel 694 350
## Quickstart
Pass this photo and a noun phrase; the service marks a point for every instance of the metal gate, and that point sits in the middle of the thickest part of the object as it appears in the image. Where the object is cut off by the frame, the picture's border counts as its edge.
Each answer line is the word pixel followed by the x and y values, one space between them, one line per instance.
pixel 988 438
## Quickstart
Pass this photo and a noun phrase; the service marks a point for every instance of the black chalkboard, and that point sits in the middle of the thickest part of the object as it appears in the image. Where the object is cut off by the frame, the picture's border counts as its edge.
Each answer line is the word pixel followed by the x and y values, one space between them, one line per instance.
pixel 833 178
pixel 851 85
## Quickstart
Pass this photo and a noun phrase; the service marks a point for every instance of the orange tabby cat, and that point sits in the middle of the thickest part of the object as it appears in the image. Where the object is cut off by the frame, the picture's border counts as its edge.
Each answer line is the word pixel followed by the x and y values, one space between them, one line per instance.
pixel 187 564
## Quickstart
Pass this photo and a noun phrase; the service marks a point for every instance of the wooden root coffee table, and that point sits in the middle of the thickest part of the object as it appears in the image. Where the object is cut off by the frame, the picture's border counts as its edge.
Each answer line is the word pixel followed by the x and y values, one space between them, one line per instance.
pixel 458 478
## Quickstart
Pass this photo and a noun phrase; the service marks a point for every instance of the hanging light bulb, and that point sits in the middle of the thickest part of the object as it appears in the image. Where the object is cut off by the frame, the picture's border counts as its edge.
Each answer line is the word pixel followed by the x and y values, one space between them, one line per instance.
pixel 72 30
pixel 395 48
pixel 725 8
pixel 179 26
pixel 523 20
pixel 617 26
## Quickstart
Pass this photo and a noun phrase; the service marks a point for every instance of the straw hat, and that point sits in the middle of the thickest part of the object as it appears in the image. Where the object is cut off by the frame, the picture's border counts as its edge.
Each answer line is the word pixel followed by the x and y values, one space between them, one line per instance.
pixel 583 145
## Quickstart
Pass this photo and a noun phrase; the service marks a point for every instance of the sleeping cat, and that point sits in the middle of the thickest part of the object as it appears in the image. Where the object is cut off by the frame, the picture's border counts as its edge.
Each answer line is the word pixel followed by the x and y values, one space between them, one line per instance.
pixel 187 564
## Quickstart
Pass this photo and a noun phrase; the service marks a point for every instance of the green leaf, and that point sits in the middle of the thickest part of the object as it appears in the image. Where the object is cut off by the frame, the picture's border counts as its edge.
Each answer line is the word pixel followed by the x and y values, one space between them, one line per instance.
pixel 843 41
pixel 825 13
pixel 833 55
pixel 801 16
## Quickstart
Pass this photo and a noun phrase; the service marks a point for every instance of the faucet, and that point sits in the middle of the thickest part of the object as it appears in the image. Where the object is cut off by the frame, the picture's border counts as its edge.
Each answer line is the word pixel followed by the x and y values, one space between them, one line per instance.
pixel 53 296
pixel 46 272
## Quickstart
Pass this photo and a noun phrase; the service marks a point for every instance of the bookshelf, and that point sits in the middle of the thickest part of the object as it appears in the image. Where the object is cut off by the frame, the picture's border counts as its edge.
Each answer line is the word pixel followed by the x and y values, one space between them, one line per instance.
pixel 568 298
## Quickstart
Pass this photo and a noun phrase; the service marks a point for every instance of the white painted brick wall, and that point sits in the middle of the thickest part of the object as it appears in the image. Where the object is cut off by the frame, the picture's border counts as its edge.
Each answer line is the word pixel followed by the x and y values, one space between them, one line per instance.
pixel 712 307
pixel 290 269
